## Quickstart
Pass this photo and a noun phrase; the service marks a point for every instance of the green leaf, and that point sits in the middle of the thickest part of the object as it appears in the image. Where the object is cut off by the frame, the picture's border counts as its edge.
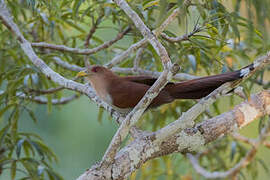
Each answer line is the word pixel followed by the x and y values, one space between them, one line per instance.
pixel 162 12
pixel 40 170
pixel 13 170
pixel 19 147
pixel 45 150
pixel 225 31
pixel 38 148
pixel 150 4
pixel 3 132
pixel 233 150
pixel 27 147
pixel 14 122
pixel 258 33
pixel 31 3
pixel 193 62
pixel 70 23
pixel 53 175
pixel 100 115
pixel 264 165
pixel 49 103
pixel 76 6
pixel 32 115
pixel 2 111
pixel 30 164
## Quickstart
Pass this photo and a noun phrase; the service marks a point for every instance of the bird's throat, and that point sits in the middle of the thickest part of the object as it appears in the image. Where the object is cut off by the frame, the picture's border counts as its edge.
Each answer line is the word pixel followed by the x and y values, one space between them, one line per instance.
pixel 101 87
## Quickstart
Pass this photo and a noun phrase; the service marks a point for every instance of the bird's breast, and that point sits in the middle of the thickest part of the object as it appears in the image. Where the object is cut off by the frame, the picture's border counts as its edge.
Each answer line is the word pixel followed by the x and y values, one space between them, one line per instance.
pixel 109 100
pixel 100 87
pixel 105 96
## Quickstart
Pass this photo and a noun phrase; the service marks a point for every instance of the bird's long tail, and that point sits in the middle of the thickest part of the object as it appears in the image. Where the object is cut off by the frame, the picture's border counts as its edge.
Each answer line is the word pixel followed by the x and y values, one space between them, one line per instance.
pixel 201 87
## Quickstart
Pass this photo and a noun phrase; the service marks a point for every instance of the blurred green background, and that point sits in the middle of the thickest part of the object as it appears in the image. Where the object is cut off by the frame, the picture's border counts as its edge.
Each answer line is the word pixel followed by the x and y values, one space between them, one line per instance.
pixel 74 134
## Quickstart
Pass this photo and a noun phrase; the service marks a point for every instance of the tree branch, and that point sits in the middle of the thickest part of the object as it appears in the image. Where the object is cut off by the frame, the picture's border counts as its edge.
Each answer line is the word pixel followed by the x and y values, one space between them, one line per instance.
pixel 136 62
pixel 47 91
pixel 146 147
pixel 81 51
pixel 184 37
pixel 151 93
pixel 244 139
pixel 45 69
pixel 93 29
pixel 44 100
pixel 147 33
pixel 117 59
pixel 169 71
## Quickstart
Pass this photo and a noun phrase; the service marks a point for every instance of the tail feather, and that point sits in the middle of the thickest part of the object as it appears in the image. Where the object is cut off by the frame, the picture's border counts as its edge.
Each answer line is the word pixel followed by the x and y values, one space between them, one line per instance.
pixel 201 87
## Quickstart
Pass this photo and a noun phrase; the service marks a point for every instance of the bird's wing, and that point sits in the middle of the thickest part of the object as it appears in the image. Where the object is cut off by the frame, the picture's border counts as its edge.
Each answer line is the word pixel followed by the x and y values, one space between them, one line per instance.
pixel 147 80
pixel 126 94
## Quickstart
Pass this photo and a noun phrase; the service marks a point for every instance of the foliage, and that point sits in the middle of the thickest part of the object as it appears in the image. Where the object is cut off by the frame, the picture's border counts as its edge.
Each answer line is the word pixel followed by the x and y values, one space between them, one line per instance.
pixel 228 39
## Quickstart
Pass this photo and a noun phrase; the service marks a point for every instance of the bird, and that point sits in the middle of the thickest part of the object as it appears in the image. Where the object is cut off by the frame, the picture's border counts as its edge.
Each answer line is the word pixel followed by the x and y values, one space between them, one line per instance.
pixel 124 92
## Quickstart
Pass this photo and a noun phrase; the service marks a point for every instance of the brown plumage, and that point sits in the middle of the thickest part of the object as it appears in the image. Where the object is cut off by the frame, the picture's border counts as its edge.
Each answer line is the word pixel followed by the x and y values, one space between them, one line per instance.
pixel 124 93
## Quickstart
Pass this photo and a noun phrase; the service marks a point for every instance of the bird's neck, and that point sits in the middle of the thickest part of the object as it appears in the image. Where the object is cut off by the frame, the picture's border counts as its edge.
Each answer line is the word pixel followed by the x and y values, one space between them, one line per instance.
pixel 101 84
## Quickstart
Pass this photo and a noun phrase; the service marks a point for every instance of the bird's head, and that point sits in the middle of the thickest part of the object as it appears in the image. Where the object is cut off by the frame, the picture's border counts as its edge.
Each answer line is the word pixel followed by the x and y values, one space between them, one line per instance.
pixel 96 72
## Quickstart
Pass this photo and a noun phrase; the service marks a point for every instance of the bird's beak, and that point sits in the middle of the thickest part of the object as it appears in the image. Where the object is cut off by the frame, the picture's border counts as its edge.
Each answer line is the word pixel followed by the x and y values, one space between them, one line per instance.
pixel 81 74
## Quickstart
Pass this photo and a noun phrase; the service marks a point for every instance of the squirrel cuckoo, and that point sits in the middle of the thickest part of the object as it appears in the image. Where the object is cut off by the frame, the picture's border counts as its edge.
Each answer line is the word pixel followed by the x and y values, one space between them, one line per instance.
pixel 123 93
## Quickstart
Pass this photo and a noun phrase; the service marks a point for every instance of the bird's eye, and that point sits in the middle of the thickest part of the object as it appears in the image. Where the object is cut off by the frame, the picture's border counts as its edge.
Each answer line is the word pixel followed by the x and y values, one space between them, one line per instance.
pixel 95 69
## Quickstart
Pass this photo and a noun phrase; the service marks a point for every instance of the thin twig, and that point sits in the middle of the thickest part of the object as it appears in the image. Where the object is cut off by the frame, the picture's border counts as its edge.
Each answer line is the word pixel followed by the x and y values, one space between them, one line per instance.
pixel 119 58
pixel 44 100
pixel 66 65
pixel 184 37
pixel 81 51
pixel 244 139
pixel 93 29
pixel 137 59
pixel 43 91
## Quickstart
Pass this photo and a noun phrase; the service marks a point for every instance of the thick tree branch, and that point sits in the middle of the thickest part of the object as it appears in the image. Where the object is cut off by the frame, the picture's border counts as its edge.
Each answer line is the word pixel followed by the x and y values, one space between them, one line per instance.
pixel 169 71
pixel 151 93
pixel 192 139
